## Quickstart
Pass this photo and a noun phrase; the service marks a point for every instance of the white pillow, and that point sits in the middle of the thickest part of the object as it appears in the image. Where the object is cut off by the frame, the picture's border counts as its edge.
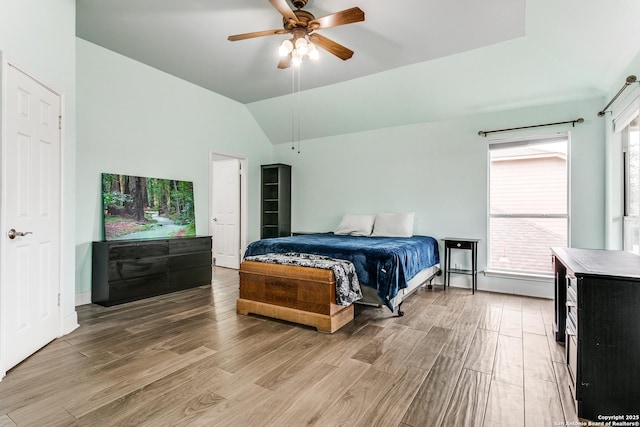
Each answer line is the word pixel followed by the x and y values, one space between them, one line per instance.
pixel 394 225
pixel 356 225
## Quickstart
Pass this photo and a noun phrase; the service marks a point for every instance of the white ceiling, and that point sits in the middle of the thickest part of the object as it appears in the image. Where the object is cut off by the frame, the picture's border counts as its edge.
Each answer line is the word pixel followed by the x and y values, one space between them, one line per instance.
pixel 415 60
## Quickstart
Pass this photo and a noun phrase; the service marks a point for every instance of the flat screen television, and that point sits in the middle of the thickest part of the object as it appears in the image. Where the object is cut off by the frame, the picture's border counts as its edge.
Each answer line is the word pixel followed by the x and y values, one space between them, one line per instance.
pixel 136 207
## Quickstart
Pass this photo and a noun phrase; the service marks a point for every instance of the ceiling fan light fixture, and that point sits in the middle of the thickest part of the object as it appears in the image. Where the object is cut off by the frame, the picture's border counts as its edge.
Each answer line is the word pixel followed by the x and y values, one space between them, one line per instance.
pixel 299 24
pixel 301 46
pixel 285 48
pixel 312 52
pixel 296 57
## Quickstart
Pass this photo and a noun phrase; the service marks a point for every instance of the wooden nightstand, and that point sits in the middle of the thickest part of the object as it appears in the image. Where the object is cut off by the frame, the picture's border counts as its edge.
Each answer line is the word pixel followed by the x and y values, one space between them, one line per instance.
pixel 458 243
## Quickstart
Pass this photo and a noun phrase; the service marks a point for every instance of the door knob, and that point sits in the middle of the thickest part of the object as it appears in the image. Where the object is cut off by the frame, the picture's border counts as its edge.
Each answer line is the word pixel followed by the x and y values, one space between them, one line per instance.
pixel 215 219
pixel 12 234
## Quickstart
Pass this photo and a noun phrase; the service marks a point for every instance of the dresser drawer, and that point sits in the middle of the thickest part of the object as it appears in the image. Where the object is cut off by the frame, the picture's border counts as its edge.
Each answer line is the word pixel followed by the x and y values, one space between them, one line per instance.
pixel 188 244
pixel 572 318
pixel 133 250
pixel 128 269
pixel 458 245
pixel 186 261
pixel 572 288
pixel 572 362
pixel 189 278
pixel 133 289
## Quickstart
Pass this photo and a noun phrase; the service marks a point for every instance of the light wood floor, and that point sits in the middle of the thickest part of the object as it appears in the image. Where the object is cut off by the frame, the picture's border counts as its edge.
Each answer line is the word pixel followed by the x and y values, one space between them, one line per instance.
pixel 454 359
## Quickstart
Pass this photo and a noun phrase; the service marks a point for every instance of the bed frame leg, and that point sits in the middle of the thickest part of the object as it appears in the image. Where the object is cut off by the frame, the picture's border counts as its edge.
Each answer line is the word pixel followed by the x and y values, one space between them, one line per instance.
pixel 400 312
pixel 430 285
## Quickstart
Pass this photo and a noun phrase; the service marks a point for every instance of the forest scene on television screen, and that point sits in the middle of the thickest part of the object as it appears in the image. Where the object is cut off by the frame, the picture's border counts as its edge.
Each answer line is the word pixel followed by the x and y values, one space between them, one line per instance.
pixel 144 208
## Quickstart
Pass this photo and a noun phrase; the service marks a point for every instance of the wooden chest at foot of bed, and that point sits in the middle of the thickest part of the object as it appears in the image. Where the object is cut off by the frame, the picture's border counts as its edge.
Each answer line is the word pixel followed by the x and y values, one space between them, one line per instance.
pixel 296 294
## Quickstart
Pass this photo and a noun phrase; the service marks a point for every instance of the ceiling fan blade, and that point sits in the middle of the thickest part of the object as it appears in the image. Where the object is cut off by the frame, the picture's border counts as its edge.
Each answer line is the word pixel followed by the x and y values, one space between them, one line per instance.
pixel 332 47
pixel 284 9
pixel 255 34
pixel 285 62
pixel 348 16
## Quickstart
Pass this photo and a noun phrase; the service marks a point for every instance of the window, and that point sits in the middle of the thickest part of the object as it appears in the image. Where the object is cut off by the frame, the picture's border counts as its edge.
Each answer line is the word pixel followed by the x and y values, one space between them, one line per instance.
pixel 528 203
pixel 631 150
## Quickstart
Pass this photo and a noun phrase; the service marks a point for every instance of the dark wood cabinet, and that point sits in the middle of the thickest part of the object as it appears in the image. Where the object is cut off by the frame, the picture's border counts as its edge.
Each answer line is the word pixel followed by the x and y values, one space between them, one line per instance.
pixel 125 271
pixel 275 201
pixel 598 318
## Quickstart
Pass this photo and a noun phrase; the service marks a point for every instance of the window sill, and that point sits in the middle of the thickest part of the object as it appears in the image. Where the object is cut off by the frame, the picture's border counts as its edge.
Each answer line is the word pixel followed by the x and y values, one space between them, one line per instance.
pixel 534 277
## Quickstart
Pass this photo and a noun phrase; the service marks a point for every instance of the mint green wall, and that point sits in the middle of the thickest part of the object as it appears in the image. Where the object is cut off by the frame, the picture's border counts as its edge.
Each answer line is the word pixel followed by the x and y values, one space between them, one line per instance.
pixel 127 111
pixel 136 120
pixel 39 37
pixel 439 170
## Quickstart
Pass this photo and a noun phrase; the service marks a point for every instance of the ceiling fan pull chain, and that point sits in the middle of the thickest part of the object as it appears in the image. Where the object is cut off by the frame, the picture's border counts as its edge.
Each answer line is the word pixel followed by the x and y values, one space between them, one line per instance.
pixel 293 109
pixel 299 107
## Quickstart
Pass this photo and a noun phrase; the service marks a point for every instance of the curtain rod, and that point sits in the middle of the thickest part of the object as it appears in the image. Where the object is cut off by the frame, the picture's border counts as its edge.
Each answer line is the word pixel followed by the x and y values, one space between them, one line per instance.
pixel 630 79
pixel 573 122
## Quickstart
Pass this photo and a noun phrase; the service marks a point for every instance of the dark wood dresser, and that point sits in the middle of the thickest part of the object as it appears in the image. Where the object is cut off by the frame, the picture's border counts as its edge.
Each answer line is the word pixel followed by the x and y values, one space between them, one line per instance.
pixel 129 270
pixel 597 306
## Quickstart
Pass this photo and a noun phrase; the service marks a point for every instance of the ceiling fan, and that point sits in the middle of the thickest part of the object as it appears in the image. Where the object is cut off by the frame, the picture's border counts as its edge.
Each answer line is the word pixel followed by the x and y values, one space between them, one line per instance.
pixel 302 26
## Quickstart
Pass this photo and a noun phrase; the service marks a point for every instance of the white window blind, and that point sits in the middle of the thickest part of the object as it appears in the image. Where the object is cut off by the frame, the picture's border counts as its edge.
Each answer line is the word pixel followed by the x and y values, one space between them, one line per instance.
pixel 624 115
pixel 528 202
pixel 631 151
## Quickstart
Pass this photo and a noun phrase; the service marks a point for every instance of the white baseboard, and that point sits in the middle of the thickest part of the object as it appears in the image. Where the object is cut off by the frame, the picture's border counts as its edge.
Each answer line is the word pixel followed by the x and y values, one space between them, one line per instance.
pixel 70 323
pixel 529 288
pixel 83 298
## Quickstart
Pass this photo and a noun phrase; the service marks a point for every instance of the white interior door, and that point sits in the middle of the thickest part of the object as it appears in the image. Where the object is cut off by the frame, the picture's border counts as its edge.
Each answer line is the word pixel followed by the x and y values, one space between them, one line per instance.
pixel 225 212
pixel 31 217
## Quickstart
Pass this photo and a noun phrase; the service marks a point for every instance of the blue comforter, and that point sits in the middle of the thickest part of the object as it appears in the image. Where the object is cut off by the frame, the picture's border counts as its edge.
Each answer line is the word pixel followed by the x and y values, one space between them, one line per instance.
pixel 383 263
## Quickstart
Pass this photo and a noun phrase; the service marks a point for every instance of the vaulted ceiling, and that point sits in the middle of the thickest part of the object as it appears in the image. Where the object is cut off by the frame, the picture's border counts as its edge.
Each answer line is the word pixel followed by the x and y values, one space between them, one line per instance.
pixel 415 60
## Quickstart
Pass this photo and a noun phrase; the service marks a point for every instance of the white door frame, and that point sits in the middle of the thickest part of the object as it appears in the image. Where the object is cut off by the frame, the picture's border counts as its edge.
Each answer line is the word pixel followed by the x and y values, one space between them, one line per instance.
pixel 4 64
pixel 213 156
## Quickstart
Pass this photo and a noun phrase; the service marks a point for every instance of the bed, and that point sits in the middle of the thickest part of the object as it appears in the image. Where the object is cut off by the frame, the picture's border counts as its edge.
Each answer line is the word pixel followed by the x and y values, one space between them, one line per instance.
pixel 389 269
